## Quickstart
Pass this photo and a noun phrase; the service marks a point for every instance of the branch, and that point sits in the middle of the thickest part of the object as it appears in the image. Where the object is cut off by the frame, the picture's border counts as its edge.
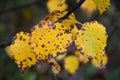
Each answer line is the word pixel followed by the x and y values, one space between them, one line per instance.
pixel 15 8
pixel 114 30
pixel 3 45
pixel 72 10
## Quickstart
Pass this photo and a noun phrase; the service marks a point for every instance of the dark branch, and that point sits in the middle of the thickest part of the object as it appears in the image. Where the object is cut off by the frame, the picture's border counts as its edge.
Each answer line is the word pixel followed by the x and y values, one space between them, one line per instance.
pixel 72 10
pixel 3 45
pixel 114 30
pixel 15 8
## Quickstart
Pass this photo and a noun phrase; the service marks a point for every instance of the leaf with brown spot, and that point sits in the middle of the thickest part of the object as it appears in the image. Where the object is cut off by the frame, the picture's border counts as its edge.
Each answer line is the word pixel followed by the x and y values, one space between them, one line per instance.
pixel 91 43
pixel 51 40
pixel 102 5
pixel 21 52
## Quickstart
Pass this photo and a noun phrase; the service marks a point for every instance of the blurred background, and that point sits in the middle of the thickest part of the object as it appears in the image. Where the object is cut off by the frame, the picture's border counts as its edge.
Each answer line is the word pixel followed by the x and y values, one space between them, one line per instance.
pixel 25 17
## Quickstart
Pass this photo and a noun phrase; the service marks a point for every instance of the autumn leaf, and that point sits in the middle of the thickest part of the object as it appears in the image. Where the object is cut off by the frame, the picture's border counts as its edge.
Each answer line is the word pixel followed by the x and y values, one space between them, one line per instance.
pixel 68 22
pixel 102 5
pixel 89 7
pixel 99 61
pixel 51 38
pixel 71 64
pixel 55 66
pixel 56 5
pixel 21 52
pixel 82 58
pixel 48 40
pixel 91 40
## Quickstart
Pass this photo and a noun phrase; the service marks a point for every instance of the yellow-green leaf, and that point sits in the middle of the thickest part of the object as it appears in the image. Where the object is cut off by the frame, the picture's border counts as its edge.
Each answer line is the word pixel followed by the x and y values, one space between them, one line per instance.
pixel 91 40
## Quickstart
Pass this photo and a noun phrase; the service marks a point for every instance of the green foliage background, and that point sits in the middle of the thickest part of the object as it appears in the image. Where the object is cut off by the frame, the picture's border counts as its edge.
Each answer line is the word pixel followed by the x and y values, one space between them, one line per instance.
pixel 23 19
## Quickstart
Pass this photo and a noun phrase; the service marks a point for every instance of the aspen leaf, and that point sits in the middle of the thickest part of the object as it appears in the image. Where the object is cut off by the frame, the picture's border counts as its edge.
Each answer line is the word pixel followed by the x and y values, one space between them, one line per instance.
pixel 56 69
pixel 82 58
pixel 91 40
pixel 89 6
pixel 71 64
pixel 62 2
pixel 55 15
pixel 102 5
pixel 99 61
pixel 49 40
pixel 21 52
pixel 55 66
pixel 56 5
pixel 8 51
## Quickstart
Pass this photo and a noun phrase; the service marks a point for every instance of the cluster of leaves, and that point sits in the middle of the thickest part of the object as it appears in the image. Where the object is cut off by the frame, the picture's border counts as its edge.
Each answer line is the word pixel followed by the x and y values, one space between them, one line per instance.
pixel 89 6
pixel 50 39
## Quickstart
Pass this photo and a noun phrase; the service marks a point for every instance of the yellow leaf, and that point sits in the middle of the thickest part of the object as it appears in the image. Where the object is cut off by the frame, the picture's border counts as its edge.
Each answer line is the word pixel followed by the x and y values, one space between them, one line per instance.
pixel 8 51
pixel 56 69
pixel 71 64
pixel 68 22
pixel 99 61
pixel 91 40
pixel 102 5
pixel 56 5
pixel 61 2
pixel 55 66
pixel 48 40
pixel 82 58
pixel 74 32
pixel 21 52
pixel 89 6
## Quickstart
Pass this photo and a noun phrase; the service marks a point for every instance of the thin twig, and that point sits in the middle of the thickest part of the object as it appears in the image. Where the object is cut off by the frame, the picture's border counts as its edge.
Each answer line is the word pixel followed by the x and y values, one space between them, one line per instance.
pixel 4 44
pixel 72 10
pixel 114 30
pixel 15 8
